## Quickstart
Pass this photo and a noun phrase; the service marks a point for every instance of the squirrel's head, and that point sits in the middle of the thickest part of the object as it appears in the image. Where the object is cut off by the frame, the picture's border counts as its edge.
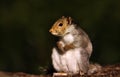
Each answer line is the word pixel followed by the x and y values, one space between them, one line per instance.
pixel 60 26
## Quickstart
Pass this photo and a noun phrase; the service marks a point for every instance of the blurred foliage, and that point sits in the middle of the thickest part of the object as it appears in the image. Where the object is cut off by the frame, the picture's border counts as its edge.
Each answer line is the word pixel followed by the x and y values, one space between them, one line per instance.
pixel 25 43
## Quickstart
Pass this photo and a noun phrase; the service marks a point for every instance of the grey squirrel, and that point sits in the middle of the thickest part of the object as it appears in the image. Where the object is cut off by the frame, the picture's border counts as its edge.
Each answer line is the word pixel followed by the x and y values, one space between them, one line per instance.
pixel 73 50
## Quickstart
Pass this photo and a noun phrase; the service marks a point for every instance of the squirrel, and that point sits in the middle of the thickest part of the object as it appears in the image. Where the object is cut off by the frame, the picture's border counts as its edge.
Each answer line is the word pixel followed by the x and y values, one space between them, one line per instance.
pixel 73 49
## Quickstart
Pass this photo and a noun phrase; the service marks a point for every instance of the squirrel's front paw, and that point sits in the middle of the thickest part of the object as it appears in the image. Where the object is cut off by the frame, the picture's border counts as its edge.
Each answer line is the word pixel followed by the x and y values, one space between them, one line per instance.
pixel 60 46
pixel 68 47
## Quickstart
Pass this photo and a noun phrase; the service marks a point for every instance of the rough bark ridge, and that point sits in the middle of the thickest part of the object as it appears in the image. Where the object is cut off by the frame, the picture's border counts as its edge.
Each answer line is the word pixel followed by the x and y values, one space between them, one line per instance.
pixel 107 71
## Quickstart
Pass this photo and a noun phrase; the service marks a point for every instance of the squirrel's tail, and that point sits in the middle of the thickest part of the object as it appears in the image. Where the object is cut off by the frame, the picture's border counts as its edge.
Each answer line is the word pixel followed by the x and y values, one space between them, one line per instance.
pixel 94 68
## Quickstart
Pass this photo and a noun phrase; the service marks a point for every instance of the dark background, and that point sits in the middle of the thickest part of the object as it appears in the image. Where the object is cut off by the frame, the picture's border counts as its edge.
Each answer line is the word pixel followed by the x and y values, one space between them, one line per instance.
pixel 25 43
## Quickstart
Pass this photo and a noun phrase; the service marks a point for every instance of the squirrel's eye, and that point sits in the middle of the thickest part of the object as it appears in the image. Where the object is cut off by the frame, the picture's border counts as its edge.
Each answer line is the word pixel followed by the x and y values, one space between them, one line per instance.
pixel 60 24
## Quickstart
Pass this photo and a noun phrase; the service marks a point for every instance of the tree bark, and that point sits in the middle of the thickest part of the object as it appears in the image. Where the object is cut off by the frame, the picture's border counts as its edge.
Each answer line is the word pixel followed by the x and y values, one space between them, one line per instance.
pixel 107 71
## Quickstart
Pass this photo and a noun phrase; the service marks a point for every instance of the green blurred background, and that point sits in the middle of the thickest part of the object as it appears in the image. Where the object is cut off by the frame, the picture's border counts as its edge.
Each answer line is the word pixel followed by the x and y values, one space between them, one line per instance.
pixel 25 43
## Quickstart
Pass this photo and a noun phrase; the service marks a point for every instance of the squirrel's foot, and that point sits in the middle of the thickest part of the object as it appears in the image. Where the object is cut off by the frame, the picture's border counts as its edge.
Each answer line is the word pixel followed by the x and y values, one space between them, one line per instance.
pixel 82 73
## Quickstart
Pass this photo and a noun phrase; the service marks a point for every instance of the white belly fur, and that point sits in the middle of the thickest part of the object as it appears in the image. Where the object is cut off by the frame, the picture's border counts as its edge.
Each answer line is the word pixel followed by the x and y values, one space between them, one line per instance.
pixel 68 38
pixel 68 62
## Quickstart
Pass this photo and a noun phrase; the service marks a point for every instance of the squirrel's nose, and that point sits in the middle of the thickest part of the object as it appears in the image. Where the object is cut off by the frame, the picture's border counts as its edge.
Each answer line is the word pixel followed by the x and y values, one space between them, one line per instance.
pixel 50 30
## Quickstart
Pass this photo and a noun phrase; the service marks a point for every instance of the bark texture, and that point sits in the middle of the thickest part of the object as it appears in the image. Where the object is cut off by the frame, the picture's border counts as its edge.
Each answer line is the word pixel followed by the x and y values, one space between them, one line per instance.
pixel 107 71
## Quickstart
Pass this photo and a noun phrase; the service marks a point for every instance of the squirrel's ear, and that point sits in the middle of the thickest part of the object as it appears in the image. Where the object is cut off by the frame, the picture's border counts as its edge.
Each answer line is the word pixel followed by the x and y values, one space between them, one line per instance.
pixel 69 19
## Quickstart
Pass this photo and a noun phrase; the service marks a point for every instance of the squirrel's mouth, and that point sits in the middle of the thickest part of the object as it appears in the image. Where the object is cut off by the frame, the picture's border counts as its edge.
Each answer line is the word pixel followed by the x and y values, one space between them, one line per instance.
pixel 54 33
pixel 57 34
